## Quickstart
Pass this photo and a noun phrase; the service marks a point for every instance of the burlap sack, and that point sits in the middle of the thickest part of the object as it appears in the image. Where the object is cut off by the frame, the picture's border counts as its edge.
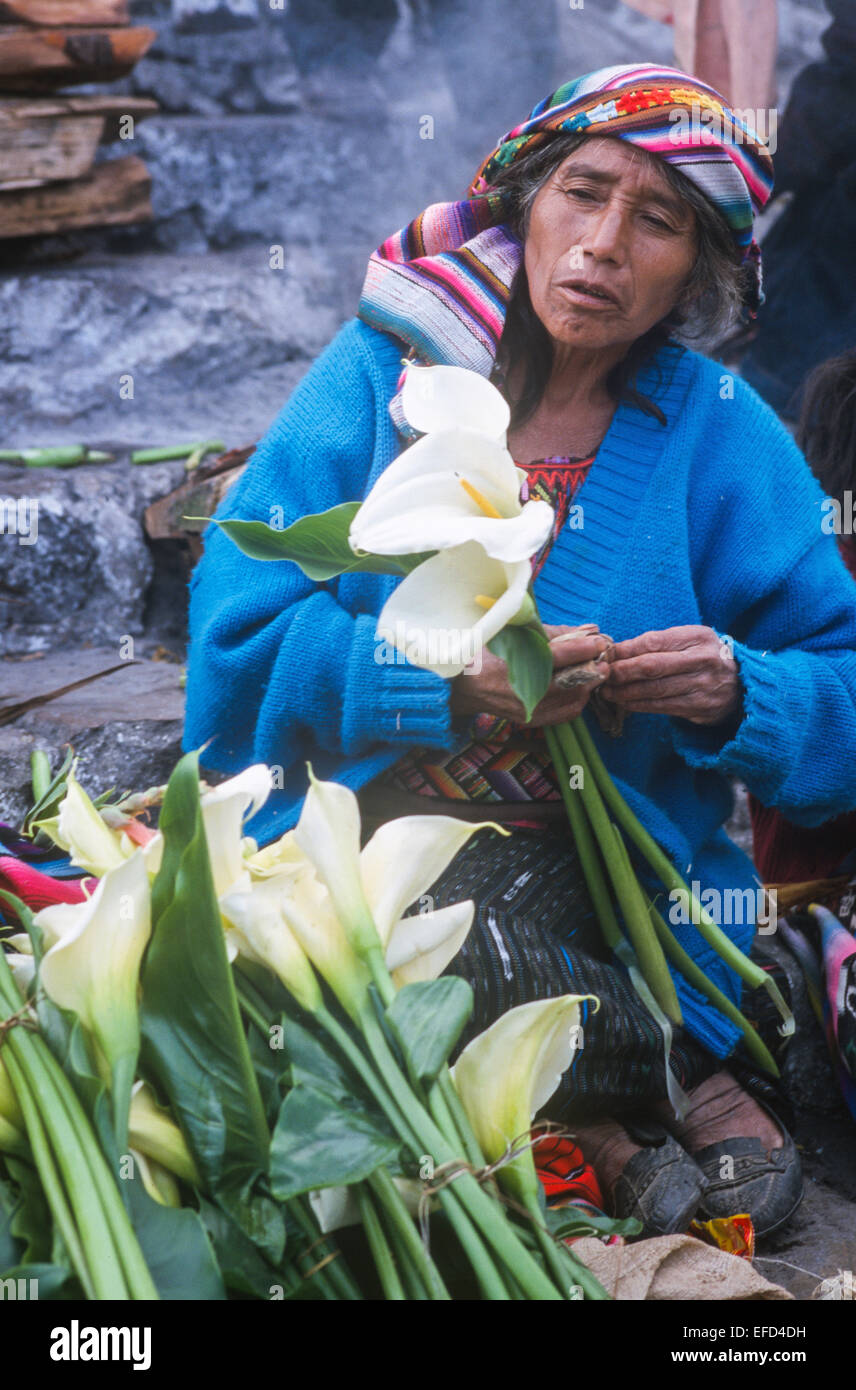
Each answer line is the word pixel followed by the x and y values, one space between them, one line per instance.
pixel 674 1268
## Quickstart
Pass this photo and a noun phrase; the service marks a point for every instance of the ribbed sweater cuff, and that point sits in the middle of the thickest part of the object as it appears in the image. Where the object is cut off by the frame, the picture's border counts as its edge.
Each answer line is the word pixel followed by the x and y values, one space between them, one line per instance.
pixel 388 702
pixel 763 740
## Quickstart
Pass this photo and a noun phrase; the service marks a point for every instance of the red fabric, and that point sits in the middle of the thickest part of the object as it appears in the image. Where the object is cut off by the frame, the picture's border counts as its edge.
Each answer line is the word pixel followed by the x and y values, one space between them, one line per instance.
pixel 563 1172
pixel 788 853
pixel 36 889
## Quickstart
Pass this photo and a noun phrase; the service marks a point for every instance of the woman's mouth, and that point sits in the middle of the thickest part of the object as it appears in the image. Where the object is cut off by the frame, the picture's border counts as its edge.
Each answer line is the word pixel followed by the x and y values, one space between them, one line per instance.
pixel 588 295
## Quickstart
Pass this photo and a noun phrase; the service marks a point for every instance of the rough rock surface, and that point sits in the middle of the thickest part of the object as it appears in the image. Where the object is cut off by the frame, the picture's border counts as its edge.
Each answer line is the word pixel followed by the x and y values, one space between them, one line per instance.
pixel 165 350
pixel 125 727
pixel 85 576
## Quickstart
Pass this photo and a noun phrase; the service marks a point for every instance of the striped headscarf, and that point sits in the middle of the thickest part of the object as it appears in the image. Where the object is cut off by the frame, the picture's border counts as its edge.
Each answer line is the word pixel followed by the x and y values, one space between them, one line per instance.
pixel 443 282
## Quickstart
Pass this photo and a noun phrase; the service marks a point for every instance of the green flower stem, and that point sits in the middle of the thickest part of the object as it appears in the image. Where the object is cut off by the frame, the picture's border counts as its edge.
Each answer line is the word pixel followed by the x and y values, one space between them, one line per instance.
pixel 137 1274
pixel 338 1275
pixel 751 973
pixel 400 1124
pixel 485 1212
pixel 379 1246
pixel 31 1052
pixel 491 1282
pixel 586 846
pixel 472 1149
pixel 407 1235
pixel 549 1249
pixel 48 1174
pixel 649 952
pixel 374 959
pixel 414 1287
pixel 123 1072
pixel 249 1005
pixel 696 977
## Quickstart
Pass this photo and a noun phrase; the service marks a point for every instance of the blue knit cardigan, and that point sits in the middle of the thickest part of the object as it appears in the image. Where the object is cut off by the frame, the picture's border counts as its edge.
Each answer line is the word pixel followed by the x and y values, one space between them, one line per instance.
pixel 713 518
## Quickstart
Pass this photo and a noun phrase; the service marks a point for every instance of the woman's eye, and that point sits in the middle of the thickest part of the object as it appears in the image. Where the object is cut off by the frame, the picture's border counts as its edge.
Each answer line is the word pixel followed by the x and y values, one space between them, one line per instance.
pixel 659 223
pixel 585 193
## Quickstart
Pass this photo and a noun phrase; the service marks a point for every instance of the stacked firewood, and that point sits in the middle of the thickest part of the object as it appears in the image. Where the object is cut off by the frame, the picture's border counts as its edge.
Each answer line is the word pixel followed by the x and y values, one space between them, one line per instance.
pixel 49 178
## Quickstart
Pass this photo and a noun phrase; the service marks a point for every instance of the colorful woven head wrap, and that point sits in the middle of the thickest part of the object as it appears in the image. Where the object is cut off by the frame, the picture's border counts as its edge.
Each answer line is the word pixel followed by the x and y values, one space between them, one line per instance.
pixel 443 282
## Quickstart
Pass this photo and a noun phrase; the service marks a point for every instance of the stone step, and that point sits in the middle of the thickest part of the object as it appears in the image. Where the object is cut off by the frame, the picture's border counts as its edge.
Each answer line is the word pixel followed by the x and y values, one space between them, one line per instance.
pixel 125 727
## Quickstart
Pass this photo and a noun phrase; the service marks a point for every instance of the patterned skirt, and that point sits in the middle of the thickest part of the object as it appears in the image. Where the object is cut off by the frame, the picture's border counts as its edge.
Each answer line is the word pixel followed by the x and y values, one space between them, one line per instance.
pixel 535 936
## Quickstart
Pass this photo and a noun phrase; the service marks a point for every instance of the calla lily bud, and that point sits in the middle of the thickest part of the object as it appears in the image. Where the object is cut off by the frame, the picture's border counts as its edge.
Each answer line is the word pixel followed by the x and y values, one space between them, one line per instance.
pixel 153 1131
pixel 81 832
pixel 158 1182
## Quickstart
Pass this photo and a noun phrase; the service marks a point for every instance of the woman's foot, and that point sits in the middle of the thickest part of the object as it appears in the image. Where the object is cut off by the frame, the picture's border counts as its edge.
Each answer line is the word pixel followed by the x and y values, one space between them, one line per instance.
pixel 749 1160
pixel 660 1186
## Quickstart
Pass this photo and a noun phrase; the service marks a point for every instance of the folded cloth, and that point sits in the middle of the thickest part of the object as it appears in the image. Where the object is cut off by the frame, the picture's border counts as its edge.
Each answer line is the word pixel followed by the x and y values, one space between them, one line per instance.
pixel 38 889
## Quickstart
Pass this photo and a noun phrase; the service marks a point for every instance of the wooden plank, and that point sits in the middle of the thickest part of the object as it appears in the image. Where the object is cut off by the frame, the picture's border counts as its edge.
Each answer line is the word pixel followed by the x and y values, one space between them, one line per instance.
pixel 115 193
pixel 40 59
pixel 46 139
pixel 41 151
pixel 76 104
pixel 60 12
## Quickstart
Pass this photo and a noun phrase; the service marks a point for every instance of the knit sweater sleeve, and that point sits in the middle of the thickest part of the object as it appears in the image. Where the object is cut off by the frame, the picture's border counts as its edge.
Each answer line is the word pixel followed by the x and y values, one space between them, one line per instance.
pixel 278 663
pixel 781 596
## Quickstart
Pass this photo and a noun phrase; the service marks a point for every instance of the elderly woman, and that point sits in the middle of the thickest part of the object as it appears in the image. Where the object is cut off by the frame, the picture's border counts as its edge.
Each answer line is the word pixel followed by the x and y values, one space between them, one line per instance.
pixel 687 562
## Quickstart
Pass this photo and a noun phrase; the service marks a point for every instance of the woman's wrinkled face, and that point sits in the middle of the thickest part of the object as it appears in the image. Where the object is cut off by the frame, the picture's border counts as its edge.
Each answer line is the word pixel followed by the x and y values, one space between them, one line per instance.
pixel 609 245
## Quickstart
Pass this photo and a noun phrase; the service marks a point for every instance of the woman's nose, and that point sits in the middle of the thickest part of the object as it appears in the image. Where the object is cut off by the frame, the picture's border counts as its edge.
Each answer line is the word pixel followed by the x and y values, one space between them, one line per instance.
pixel 607 234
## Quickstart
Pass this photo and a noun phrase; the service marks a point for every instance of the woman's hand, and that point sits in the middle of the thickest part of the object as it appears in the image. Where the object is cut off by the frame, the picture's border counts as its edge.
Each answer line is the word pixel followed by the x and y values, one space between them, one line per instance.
pixel 686 672
pixel 488 692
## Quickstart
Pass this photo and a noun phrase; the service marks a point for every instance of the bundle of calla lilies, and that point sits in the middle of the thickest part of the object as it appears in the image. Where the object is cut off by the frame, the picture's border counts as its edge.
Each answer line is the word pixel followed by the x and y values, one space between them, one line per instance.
pixel 224 1073
pixel 447 517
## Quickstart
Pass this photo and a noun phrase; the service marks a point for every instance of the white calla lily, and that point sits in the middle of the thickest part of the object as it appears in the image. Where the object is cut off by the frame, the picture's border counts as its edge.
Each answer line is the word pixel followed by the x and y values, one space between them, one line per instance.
pixel 447 489
pixel 506 1074
pixel 446 611
pixel 224 810
pixel 263 935
pixel 401 860
pixel 444 398
pixel 308 910
pixel 421 947
pixel 458 483
pixel 328 834
pixel 93 968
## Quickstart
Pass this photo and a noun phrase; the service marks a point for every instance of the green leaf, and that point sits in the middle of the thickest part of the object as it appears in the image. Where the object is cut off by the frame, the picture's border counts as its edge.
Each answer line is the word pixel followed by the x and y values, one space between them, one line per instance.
pixel 573 1221
pixel 526 653
pixel 313 1064
pixel 318 1143
pixel 27 1219
pixel 176 1247
pixel 317 543
pixel 428 1018
pixel 10 1250
pixel 193 1041
pixel 243 1268
pixel 53 1281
